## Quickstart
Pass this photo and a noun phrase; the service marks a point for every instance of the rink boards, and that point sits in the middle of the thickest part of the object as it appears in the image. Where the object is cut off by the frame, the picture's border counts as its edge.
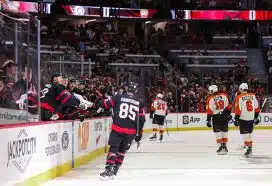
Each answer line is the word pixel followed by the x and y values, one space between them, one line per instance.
pixel 33 153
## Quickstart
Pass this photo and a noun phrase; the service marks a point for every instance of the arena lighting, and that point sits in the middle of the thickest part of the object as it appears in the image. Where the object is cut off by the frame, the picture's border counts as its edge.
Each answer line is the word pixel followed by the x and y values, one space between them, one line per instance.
pixel 128 13
pixel 91 20
pixel 147 22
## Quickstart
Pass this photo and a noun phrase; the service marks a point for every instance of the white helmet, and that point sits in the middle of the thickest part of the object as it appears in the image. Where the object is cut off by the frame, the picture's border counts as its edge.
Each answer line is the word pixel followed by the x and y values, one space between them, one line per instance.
pixel 160 96
pixel 243 87
pixel 213 89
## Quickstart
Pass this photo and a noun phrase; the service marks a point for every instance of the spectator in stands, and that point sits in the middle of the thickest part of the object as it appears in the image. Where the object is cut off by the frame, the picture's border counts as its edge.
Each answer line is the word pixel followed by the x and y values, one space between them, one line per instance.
pixel 3 94
pixel 10 71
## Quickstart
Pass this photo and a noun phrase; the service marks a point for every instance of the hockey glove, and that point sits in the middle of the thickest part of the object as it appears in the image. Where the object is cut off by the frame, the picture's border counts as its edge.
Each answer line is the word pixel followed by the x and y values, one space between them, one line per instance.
pixel 229 117
pixel 138 137
pixel 236 123
pixel 83 106
pixel 209 124
pixel 256 121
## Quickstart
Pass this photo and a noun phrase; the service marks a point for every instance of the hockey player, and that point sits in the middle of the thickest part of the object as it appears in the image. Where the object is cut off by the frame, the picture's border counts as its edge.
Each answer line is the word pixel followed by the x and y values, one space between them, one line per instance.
pixel 128 120
pixel 160 110
pixel 218 110
pixel 246 115
pixel 56 99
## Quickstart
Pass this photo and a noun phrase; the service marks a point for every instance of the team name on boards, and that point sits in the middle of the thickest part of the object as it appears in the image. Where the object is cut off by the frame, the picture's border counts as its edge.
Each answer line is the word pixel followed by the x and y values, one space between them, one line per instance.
pixel 247 98
pixel 130 101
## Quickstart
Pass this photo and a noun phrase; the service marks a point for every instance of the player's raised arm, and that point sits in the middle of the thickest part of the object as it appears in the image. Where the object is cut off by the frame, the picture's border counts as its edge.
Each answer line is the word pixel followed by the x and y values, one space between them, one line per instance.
pixel 108 103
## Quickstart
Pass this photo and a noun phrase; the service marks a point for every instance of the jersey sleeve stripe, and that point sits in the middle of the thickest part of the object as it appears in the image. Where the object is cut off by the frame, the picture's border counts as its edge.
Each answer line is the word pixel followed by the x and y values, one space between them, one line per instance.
pixel 106 104
pixel 237 106
pixel 65 99
pixel 112 102
pixel 257 109
pixel 61 94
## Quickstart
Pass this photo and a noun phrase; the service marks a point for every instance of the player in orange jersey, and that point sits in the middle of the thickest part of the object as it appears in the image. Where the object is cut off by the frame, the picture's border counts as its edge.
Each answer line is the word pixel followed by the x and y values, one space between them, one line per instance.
pixel 218 110
pixel 160 110
pixel 246 115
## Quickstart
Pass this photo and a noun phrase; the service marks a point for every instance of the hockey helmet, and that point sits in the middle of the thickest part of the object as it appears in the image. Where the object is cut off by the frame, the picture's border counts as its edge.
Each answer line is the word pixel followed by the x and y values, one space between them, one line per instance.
pixel 132 87
pixel 213 89
pixel 243 87
pixel 160 96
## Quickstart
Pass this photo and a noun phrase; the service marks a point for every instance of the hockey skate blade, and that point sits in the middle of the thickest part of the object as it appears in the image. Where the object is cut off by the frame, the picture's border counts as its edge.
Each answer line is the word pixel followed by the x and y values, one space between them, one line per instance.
pixel 248 156
pixel 107 178
pixel 222 153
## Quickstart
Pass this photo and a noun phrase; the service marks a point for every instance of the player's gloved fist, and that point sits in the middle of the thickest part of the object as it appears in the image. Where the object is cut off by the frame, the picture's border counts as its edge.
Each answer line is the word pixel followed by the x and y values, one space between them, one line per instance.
pixel 99 110
pixel 229 117
pixel 236 123
pixel 83 106
pixel 256 121
pixel 209 124
pixel 138 137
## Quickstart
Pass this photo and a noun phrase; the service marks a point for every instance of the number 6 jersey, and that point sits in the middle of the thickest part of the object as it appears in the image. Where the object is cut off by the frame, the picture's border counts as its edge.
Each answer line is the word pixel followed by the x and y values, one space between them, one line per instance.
pixel 128 113
pixel 246 105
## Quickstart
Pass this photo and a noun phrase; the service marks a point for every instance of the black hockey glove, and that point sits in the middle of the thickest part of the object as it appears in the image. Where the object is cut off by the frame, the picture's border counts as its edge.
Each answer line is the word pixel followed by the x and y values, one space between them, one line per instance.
pixel 209 124
pixel 236 123
pixel 138 137
pixel 236 120
pixel 151 114
pixel 256 121
pixel 229 117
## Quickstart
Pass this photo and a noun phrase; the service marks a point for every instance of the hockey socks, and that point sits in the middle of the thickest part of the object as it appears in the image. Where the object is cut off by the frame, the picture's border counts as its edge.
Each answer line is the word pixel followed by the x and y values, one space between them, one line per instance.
pixel 118 162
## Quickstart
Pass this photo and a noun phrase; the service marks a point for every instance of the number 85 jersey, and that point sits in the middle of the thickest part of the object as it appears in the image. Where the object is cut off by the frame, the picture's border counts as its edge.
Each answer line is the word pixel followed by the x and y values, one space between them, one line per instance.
pixel 217 103
pixel 128 113
pixel 246 105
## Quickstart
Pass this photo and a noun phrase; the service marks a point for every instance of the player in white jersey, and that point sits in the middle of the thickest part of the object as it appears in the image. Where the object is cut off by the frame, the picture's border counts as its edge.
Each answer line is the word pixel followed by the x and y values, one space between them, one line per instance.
pixel 160 110
pixel 246 115
pixel 218 110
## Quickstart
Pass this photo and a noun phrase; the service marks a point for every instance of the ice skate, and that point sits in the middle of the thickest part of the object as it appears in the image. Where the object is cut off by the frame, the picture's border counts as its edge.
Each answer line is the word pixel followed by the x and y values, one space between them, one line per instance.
pixel 225 150
pixel 106 175
pixel 161 137
pixel 220 151
pixel 154 137
pixel 248 152
pixel 115 171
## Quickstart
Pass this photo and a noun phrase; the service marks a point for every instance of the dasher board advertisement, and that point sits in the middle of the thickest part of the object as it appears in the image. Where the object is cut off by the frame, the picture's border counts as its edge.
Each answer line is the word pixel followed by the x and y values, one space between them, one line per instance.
pixel 90 135
pixel 31 149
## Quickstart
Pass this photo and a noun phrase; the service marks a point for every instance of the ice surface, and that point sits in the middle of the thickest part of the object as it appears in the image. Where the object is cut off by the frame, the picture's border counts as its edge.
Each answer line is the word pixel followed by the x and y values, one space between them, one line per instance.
pixel 184 159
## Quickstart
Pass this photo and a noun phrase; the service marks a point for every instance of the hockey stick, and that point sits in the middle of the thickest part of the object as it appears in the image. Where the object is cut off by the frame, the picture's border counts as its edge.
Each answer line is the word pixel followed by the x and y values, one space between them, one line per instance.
pixel 167 131
pixel 138 128
pixel 264 102
pixel 261 109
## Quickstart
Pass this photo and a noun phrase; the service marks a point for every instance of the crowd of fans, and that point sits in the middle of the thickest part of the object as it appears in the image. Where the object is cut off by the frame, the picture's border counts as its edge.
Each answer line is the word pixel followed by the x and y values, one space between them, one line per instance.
pixel 187 92
pixel 92 39
pixel 184 92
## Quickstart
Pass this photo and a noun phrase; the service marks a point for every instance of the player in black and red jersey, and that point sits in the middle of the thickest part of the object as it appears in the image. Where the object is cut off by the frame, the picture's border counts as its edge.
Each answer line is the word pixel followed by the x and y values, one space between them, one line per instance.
pixel 56 100
pixel 128 122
